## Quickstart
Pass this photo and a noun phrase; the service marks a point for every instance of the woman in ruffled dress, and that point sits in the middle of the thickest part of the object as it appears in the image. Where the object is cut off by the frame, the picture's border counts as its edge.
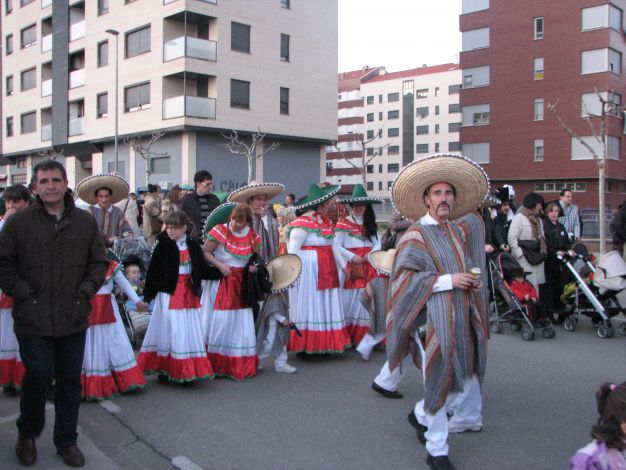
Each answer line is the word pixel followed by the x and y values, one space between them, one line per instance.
pixel 229 323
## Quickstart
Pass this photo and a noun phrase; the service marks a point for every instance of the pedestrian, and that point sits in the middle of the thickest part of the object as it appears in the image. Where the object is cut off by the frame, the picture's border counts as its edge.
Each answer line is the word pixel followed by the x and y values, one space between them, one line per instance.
pixel 618 228
pixel 152 223
pixel 607 451
pixel 290 199
pixel 431 271
pixel 398 225
pixel 173 346
pixel 172 202
pixel 284 216
pixel 200 203
pixel 131 213
pixel 557 246
pixel 569 216
pixel 51 310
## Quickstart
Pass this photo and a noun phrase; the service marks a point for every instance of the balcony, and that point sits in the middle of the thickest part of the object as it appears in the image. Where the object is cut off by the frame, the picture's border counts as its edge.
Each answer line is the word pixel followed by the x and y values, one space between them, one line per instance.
pixel 46 132
pixel 187 46
pixel 46 43
pixel 77 126
pixel 213 2
pixel 46 87
pixel 77 30
pixel 189 106
pixel 46 3
pixel 77 78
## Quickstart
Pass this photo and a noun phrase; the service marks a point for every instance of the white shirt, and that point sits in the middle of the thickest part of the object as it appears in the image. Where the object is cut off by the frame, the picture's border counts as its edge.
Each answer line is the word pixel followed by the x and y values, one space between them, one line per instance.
pixel 444 282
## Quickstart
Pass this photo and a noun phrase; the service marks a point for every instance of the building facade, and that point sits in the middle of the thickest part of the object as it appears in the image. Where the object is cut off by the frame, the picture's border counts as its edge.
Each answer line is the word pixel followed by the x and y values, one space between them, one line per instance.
pixel 190 69
pixel 549 52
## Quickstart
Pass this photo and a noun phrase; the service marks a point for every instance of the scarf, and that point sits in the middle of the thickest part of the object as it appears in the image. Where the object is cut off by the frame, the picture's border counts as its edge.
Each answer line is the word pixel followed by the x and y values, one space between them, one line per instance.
pixel 536 227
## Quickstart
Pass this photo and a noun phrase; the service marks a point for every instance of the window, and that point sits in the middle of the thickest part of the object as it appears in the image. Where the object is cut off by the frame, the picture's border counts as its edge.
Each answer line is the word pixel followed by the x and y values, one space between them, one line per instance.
pixel 538 29
pixel 103 53
pixel 421 130
pixel 436 128
pixel 580 152
pixel 453 89
pixel 380 115
pixel 284 47
pixel 380 165
pixel 137 97
pixel 437 110
pixel 160 165
pixel 28 36
pixel 103 7
pixel 476 76
pixel 421 148
pixel 421 112
pixel 391 97
pixel 28 122
pixel 475 39
pixel 9 85
pixel 8 44
pixel 285 3
pixel 370 100
pixel 421 94
pixel 284 100
pixel 454 146
pixel 602 16
pixel 393 132
pixel 102 105
pixel 369 168
pixel 28 79
pixel 393 150
pixel 454 126
pixel 478 152
pixel 239 94
pixel 394 114
pixel 121 168
pixel 9 126
pixel 601 60
pixel 370 134
pixel 470 6
pixel 538 113
pixel 19 179
pixel 138 42
pixel 393 168
pixel 476 115
pixel 436 147
pixel 240 37
pixel 454 108
pixel 380 185
pixel 538 68
pixel 370 186
pixel 370 151
pixel 370 117
pixel 8 6
pixel 538 150
pixel 436 91
pixel 591 104
pixel 380 99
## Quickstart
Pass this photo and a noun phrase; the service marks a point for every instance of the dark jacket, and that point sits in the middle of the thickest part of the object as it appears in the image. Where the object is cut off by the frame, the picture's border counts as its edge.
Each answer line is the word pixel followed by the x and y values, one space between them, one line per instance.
pixel 501 230
pixel 556 239
pixel 51 269
pixel 618 227
pixel 162 274
pixel 190 205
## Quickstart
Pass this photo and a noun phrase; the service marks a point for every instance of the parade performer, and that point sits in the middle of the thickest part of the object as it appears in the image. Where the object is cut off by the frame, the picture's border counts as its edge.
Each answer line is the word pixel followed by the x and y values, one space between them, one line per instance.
pixel 229 332
pixel 355 237
pixel 315 300
pixel 109 365
pixel 173 346
pixel 431 271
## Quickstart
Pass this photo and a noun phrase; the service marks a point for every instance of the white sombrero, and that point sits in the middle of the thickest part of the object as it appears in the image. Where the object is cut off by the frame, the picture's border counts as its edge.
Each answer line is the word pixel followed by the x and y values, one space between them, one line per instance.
pixel 467 177
pixel 87 188
pixel 382 260
pixel 284 271
pixel 271 190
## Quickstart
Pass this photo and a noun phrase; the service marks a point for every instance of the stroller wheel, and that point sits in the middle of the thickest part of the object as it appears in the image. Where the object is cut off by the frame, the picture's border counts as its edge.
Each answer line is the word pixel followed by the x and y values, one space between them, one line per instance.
pixel 622 329
pixel 496 328
pixel 548 333
pixel 516 326
pixel 604 331
pixel 569 324
pixel 528 334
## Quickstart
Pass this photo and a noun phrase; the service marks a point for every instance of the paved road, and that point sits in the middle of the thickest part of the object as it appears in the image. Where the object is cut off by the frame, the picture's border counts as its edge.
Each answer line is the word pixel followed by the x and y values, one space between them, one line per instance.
pixel 539 408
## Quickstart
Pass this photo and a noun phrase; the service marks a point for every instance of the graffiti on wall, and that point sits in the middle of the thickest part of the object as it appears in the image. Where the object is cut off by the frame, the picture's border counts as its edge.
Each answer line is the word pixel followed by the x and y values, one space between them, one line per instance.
pixel 230 185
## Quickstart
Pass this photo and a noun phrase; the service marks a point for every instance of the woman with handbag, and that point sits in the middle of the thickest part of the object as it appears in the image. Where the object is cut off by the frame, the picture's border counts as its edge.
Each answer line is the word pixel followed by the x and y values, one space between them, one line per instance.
pixel 229 324
pixel 558 244
pixel 356 236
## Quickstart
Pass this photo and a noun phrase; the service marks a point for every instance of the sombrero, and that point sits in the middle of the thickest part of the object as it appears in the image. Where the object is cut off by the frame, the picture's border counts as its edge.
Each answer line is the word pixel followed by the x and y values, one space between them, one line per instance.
pixel 187 187
pixel 491 200
pixel 221 195
pixel 220 215
pixel 359 196
pixel 284 271
pixel 382 260
pixel 316 196
pixel 468 179
pixel 87 188
pixel 271 190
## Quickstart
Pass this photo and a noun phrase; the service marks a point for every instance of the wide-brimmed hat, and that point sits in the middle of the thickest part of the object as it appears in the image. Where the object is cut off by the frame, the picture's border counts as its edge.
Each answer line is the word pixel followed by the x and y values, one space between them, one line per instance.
pixel 316 196
pixel 359 196
pixel 87 188
pixel 284 271
pixel 222 196
pixel 382 260
pixel 491 201
pixel 271 190
pixel 220 215
pixel 469 180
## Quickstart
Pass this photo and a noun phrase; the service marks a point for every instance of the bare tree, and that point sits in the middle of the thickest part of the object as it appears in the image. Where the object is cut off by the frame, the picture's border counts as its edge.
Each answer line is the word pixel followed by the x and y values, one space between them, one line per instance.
pixel 368 153
pixel 240 146
pixel 607 107
pixel 50 153
pixel 142 146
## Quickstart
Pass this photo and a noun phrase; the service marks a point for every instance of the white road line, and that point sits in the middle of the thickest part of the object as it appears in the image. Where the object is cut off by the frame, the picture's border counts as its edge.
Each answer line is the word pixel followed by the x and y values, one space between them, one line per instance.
pixel 183 463
pixel 110 406
pixel 13 417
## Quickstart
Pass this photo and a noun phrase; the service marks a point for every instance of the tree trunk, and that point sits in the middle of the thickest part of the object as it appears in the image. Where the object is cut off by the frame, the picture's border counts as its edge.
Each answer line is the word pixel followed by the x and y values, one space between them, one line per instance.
pixel 601 195
pixel 250 161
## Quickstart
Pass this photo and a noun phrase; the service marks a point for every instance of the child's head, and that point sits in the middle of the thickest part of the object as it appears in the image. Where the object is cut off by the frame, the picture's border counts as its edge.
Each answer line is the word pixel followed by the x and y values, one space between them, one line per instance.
pixel 611 426
pixel 240 217
pixel 176 224
pixel 132 272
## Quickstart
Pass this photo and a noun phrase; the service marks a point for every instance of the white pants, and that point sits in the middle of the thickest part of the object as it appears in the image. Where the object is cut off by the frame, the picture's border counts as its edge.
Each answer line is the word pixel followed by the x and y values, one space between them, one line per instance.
pixel 281 357
pixel 390 380
pixel 367 344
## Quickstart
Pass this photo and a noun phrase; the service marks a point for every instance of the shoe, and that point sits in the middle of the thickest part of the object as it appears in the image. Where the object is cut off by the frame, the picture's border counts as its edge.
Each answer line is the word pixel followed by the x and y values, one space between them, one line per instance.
pixel 164 379
pixel 419 428
pixel 26 451
pixel 9 391
pixel 455 428
pixel 285 368
pixel 72 456
pixel 304 356
pixel 441 462
pixel 386 393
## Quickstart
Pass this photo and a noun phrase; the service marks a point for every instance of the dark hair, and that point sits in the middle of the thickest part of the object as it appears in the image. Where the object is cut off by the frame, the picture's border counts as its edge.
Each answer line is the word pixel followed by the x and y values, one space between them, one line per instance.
pixel 176 218
pixel 17 192
pixel 611 401
pixel 563 191
pixel 153 188
pixel 370 228
pixel 292 196
pixel 552 205
pixel 174 194
pixel 48 165
pixel 242 212
pixel 531 200
pixel 95 193
pixel 200 176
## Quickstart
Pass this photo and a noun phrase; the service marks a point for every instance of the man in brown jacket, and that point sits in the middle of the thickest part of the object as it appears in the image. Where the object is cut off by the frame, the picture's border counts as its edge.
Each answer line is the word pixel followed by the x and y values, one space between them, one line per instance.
pixel 52 261
pixel 152 222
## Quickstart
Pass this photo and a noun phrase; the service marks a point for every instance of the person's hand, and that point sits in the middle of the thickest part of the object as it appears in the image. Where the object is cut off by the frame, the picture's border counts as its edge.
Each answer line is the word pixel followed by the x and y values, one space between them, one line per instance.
pixel 489 248
pixel 356 259
pixel 560 253
pixel 505 247
pixel 462 280
pixel 286 322
pixel 141 306
pixel 526 297
pixel 252 269
pixel 224 269
pixel 534 299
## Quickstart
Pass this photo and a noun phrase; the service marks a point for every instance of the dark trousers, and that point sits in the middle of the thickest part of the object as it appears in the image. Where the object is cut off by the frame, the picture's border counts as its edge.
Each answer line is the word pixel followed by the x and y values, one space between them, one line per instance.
pixel 46 358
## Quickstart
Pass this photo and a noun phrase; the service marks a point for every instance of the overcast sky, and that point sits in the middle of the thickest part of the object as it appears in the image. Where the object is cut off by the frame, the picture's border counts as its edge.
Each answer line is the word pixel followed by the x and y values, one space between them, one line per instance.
pixel 398 34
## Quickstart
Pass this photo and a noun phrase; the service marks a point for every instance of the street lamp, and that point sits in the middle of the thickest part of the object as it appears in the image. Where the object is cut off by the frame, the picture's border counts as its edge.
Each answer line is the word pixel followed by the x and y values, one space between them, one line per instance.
pixel 117 35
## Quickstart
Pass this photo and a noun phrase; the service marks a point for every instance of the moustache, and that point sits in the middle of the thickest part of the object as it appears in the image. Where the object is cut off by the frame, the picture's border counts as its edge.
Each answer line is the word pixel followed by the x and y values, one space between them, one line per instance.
pixel 444 204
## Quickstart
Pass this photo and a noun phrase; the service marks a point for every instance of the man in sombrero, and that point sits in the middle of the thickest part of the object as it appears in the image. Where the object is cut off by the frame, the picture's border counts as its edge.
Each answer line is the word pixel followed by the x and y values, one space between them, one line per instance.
pixel 101 192
pixel 434 304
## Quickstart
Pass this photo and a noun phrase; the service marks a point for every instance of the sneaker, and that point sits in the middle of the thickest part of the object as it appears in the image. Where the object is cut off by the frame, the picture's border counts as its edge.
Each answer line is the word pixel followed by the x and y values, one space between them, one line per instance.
pixel 285 368
pixel 455 428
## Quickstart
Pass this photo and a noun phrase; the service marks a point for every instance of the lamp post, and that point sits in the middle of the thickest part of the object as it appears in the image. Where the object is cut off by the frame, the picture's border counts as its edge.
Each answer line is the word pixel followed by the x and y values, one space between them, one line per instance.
pixel 116 33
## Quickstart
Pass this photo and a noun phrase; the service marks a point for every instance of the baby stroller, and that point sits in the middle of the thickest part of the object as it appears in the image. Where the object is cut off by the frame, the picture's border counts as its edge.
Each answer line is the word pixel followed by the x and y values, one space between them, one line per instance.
pixel 594 290
pixel 133 246
pixel 507 307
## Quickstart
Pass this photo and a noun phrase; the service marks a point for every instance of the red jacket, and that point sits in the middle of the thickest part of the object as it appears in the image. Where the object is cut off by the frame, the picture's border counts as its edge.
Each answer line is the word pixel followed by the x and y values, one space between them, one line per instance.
pixel 523 289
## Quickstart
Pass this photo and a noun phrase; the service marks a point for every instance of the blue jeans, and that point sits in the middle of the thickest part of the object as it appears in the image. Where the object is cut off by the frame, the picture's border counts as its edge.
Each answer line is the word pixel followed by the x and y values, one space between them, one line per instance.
pixel 46 358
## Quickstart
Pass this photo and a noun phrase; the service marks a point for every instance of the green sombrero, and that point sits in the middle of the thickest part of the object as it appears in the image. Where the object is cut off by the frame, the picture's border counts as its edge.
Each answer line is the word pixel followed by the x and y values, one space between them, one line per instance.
pixel 316 196
pixel 221 195
pixel 359 196
pixel 220 215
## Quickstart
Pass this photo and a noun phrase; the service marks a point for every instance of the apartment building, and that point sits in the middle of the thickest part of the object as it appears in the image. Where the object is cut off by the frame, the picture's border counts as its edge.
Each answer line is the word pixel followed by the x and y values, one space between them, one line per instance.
pixel 191 69
pixel 407 114
pixel 515 65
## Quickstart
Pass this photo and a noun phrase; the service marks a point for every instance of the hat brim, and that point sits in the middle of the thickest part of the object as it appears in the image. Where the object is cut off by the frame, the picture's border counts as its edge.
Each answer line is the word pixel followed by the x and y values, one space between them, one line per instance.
pixel 362 200
pixel 220 215
pixel 87 188
pixel 306 202
pixel 469 180
pixel 284 271
pixel 271 190
pixel 382 260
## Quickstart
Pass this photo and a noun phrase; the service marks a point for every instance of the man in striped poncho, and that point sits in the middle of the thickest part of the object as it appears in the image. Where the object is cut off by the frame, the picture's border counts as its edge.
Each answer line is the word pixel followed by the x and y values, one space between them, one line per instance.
pixel 435 305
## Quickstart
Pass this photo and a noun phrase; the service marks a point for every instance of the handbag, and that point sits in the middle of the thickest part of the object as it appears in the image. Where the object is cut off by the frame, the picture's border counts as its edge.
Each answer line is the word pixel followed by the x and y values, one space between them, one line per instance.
pixel 531 249
pixel 357 271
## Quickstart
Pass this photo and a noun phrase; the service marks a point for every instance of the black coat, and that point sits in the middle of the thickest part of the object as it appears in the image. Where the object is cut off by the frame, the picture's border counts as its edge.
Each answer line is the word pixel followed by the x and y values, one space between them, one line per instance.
pixel 163 271
pixel 190 205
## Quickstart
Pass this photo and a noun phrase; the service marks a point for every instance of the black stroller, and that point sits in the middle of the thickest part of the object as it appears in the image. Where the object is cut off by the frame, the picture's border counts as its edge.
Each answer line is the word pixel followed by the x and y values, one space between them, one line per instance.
pixel 506 307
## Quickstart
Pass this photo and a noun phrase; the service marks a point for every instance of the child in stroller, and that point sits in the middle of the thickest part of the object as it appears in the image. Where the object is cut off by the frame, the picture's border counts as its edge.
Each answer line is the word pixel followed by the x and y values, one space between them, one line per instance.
pixel 525 293
pixel 136 322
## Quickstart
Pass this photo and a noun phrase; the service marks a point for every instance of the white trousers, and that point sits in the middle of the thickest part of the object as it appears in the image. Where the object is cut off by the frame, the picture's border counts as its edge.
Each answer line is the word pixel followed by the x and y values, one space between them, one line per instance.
pixel 368 343
pixel 390 380
pixel 281 357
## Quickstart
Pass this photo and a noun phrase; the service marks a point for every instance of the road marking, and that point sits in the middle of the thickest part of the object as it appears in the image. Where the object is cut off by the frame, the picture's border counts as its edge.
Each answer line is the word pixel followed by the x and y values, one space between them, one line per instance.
pixel 183 463
pixel 13 417
pixel 110 406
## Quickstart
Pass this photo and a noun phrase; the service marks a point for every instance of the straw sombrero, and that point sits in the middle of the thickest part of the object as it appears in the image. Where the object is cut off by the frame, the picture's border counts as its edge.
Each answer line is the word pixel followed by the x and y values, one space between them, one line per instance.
pixel 491 201
pixel 359 196
pixel 87 188
pixel 316 196
pixel 220 215
pixel 271 190
pixel 468 179
pixel 382 260
pixel 284 271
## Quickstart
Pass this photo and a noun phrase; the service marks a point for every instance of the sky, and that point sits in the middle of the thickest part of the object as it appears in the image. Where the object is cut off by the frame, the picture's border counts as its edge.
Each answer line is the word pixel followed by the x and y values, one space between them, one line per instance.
pixel 398 34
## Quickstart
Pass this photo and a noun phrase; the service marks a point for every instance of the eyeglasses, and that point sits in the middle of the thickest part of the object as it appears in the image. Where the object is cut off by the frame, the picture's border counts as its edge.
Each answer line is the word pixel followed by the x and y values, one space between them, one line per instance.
pixel 207 185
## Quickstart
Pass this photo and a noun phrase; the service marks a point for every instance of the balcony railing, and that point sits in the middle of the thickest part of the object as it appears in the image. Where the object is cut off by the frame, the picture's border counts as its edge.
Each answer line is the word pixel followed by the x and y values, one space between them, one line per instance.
pixel 187 46
pixel 46 87
pixel 46 3
pixel 77 126
pixel 189 106
pixel 46 132
pixel 77 78
pixel 77 30
pixel 46 43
